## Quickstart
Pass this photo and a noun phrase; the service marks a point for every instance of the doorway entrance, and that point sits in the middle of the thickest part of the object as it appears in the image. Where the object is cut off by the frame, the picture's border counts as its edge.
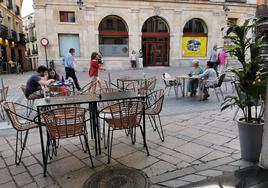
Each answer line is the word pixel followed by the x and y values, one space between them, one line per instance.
pixel 155 42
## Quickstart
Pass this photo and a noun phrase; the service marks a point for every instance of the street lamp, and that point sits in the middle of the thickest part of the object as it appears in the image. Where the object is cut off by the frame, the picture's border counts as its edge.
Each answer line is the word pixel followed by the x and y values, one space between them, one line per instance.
pixel 80 4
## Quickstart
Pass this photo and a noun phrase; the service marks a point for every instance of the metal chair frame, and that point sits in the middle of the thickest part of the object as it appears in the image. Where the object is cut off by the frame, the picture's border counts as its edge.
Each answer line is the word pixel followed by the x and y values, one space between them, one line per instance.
pixel 30 101
pixel 216 86
pixel 171 82
pixel 3 97
pixel 10 109
pixel 154 104
pixel 125 115
pixel 61 123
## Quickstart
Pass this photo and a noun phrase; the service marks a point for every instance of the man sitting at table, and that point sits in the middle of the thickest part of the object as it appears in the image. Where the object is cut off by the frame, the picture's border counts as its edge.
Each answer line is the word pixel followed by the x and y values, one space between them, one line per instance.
pixel 34 83
pixel 193 83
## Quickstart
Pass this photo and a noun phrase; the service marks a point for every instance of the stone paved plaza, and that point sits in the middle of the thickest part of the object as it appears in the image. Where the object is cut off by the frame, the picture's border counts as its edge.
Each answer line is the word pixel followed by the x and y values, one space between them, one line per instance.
pixel 201 142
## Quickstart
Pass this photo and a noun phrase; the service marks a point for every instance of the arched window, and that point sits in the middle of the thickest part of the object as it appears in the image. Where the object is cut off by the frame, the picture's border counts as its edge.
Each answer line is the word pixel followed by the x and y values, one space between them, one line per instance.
pixel 155 24
pixel 195 25
pixel 194 41
pixel 113 37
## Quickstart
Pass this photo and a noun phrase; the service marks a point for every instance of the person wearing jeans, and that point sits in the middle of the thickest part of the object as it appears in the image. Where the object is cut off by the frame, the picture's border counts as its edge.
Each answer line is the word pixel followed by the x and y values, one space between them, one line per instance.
pixel 69 67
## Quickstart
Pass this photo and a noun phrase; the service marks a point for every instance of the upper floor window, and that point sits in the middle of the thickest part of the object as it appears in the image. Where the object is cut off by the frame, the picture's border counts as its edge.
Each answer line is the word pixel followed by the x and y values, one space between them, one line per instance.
pixel 67 16
pixel 195 25
pixel 232 21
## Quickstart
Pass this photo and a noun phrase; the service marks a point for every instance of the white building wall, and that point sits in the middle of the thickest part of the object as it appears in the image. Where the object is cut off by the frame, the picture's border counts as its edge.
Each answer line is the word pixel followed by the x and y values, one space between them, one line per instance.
pixel 134 13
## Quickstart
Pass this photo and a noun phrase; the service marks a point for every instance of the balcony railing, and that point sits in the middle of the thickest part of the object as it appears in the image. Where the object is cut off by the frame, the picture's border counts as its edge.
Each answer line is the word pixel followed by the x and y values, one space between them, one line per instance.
pixel 11 34
pixel 17 10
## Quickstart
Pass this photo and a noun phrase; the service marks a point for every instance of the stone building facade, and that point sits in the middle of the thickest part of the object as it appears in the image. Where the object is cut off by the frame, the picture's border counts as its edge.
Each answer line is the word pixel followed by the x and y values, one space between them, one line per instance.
pixel 167 32
pixel 12 40
pixel 31 52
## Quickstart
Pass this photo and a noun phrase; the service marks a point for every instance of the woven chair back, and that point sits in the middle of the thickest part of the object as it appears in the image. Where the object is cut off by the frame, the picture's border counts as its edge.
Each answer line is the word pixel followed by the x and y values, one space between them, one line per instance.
pixel 125 115
pixel 65 122
pixel 10 110
pixel 155 101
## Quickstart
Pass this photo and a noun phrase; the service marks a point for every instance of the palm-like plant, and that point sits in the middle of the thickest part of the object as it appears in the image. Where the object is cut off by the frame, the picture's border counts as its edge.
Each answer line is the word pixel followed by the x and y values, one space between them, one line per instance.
pixel 252 76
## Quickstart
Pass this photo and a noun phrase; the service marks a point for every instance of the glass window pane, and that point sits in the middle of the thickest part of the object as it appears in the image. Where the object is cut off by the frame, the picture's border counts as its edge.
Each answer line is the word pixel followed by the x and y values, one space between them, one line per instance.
pixel 113 23
pixel 114 46
pixel 67 41
pixel 155 24
pixel 67 16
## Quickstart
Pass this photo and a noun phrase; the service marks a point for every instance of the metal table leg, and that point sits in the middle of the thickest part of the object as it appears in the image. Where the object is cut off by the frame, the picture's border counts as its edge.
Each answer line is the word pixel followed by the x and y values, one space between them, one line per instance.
pixel 42 142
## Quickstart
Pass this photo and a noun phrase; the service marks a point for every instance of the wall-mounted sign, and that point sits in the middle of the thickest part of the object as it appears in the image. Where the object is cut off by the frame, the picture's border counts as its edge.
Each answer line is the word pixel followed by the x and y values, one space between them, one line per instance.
pixel 6 42
pixel 12 44
pixel 44 41
pixel 194 46
pixel 1 41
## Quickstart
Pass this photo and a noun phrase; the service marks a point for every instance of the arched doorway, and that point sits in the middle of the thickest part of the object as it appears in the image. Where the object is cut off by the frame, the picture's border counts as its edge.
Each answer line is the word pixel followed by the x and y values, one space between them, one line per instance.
pixel 155 42
pixel 113 37
pixel 194 41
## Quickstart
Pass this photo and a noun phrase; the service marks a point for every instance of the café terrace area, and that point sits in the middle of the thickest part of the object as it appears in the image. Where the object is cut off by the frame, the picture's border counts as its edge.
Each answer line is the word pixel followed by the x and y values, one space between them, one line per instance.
pixel 201 143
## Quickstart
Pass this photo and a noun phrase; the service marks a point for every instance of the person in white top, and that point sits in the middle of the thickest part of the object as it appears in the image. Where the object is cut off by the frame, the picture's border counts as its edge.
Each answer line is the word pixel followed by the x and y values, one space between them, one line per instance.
pixel 133 59
pixel 209 78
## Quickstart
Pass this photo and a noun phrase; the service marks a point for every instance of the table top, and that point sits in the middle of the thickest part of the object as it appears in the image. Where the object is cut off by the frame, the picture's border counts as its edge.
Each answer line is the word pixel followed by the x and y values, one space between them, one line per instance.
pixel 130 78
pixel 188 77
pixel 59 83
pixel 90 98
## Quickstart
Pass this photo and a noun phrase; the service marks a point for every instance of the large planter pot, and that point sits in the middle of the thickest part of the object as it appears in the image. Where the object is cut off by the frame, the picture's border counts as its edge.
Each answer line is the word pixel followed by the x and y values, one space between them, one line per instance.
pixel 250 136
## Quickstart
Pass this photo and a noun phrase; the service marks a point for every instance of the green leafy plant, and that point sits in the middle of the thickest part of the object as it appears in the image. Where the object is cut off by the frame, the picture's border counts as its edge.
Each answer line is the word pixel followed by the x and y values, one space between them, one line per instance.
pixel 252 74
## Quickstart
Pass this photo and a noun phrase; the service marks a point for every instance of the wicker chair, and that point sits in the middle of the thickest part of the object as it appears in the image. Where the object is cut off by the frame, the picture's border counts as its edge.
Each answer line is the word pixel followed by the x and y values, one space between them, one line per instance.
pixel 147 86
pixel 105 113
pixel 154 107
pixel 124 116
pixel 171 82
pixel 30 100
pixel 64 123
pixel 20 124
pixel 3 97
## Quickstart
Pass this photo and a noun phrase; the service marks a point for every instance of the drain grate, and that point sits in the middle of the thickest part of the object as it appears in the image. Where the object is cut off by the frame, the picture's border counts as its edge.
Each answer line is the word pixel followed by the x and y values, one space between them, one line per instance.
pixel 118 177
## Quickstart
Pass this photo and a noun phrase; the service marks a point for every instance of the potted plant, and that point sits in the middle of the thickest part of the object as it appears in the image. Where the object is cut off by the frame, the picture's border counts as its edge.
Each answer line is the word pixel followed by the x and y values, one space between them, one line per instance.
pixel 251 87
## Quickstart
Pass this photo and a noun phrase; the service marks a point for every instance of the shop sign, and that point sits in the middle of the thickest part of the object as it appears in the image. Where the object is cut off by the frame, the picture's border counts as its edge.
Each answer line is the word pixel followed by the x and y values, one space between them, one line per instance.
pixel 6 42
pixel 194 46
pixel 12 44
pixel 1 41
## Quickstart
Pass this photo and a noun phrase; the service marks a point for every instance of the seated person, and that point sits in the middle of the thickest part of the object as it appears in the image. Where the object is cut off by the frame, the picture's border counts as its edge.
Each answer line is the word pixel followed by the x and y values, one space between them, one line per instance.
pixel 34 83
pixel 52 74
pixel 193 83
pixel 60 90
pixel 209 78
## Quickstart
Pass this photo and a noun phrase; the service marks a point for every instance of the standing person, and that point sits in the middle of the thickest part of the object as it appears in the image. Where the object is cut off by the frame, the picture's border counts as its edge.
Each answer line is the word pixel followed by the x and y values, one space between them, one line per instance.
pixel 34 83
pixel 209 78
pixel 133 59
pixel 140 59
pixel 222 60
pixel 94 69
pixel 214 58
pixel 69 67
pixel 193 83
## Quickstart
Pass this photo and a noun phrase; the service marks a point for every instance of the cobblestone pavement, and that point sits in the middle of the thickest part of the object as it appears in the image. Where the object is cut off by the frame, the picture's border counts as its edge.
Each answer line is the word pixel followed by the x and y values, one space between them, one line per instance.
pixel 201 142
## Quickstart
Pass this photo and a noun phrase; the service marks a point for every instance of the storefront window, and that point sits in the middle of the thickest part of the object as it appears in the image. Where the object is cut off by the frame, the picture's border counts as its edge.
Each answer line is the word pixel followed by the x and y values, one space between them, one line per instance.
pixel 67 41
pixel 113 37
